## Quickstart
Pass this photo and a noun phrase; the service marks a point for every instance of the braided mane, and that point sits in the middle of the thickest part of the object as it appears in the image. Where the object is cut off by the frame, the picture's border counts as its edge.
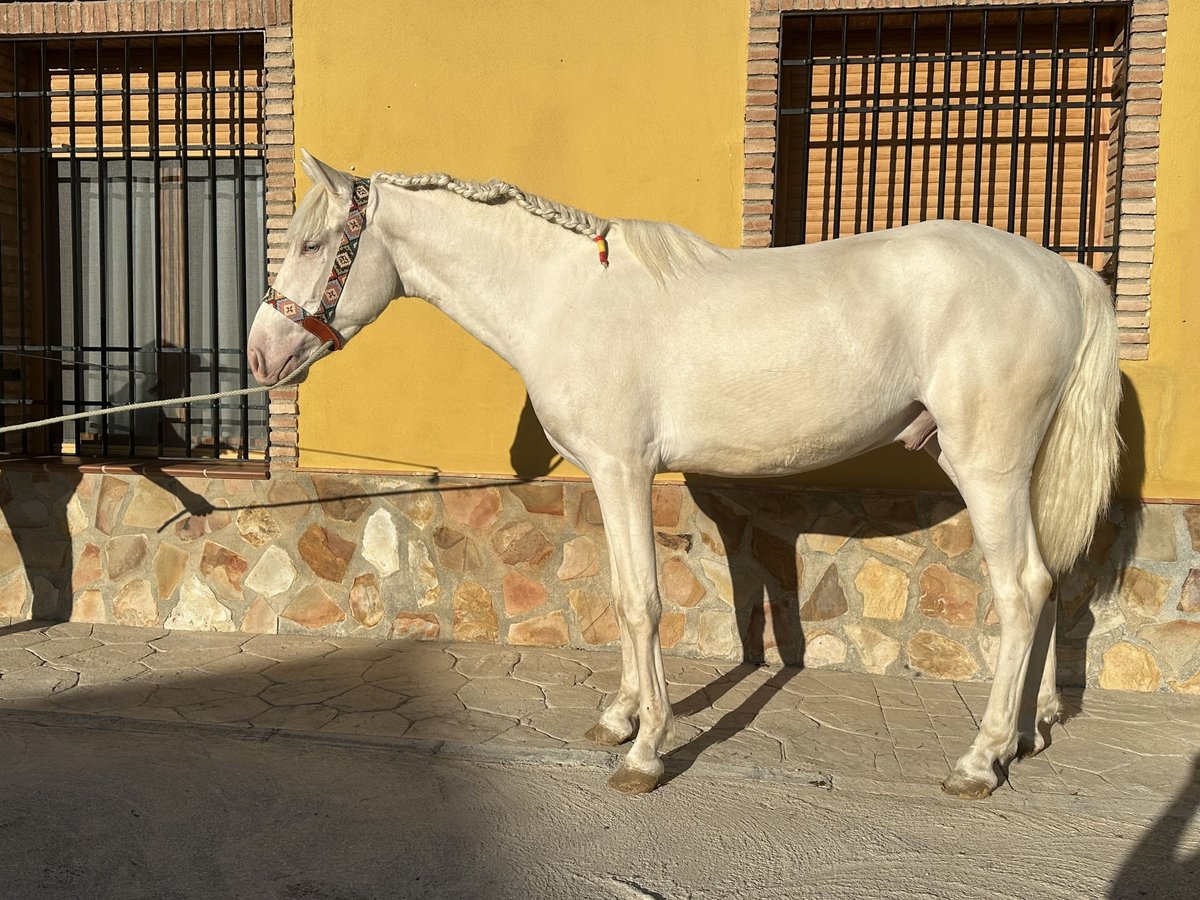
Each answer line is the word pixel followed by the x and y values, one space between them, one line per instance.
pixel 662 248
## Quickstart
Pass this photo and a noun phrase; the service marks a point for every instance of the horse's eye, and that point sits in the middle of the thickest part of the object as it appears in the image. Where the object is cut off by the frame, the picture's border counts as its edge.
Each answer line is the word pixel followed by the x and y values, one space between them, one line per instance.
pixel 310 247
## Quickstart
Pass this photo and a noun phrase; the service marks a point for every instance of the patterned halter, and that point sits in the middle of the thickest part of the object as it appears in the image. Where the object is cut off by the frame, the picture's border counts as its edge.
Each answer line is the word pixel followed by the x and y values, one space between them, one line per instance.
pixel 318 323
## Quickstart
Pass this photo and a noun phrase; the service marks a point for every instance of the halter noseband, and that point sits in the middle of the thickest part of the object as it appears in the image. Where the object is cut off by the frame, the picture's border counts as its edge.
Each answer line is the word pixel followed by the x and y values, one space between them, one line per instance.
pixel 318 323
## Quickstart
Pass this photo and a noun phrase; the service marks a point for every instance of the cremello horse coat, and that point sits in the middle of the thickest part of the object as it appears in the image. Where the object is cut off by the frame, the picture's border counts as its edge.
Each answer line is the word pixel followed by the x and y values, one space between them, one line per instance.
pixel 994 354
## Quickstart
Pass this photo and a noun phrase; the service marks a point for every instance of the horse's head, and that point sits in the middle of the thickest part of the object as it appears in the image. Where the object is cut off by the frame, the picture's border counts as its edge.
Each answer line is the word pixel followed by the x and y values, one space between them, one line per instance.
pixel 324 262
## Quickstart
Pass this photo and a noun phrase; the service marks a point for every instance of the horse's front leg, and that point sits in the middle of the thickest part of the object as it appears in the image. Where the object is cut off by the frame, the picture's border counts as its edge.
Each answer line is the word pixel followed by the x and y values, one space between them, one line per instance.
pixel 625 502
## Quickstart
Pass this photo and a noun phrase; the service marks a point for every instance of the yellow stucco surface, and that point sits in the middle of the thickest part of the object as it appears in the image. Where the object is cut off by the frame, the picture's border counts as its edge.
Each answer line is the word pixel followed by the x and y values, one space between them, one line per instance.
pixel 1161 413
pixel 628 109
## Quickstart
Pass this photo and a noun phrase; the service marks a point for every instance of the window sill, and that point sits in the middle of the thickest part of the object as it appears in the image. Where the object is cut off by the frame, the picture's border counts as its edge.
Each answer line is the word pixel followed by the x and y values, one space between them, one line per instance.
pixel 216 468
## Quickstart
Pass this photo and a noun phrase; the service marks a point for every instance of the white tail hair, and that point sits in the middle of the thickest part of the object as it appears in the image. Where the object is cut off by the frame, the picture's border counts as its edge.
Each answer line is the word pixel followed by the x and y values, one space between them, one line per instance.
pixel 1077 465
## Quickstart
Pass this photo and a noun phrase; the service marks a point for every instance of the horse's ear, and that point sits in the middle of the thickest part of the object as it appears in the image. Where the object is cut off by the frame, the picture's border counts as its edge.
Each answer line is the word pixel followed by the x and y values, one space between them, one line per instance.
pixel 331 179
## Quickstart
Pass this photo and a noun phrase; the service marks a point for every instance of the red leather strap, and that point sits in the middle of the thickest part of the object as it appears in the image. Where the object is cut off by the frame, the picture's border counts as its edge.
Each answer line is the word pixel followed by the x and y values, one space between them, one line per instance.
pixel 321 331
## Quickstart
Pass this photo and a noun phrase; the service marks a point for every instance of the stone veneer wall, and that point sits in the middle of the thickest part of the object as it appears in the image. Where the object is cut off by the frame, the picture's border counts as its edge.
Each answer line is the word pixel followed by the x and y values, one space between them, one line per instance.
pixel 881 583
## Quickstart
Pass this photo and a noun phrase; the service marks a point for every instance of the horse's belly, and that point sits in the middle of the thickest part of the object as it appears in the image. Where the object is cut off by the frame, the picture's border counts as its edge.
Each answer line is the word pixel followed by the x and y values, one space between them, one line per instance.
pixel 770 444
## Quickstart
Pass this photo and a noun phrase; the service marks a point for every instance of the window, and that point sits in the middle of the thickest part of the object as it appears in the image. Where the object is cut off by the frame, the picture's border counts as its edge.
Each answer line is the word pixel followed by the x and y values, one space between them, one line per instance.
pixel 132 233
pixel 1010 117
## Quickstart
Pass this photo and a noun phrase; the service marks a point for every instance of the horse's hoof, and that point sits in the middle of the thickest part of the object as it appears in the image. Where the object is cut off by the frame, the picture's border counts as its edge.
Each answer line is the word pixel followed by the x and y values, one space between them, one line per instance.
pixel 966 787
pixel 603 735
pixel 631 781
pixel 1033 744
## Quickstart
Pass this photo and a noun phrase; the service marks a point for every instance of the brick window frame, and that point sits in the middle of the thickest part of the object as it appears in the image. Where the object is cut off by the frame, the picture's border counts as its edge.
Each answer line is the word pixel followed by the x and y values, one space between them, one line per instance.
pixel 1136 233
pixel 274 18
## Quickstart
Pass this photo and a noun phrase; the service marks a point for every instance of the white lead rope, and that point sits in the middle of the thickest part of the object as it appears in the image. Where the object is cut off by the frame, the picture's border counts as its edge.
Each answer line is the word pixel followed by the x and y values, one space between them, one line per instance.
pixel 199 398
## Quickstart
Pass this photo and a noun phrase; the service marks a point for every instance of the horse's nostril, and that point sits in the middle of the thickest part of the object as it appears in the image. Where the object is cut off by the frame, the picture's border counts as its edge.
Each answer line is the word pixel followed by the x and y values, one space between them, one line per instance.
pixel 255 358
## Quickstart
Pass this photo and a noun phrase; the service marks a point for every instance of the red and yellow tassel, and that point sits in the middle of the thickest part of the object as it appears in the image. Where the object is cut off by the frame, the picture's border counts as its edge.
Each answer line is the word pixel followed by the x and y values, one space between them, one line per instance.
pixel 602 246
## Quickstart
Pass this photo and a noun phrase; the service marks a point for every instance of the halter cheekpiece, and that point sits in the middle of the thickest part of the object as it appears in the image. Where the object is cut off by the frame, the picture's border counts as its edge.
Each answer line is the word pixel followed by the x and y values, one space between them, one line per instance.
pixel 319 322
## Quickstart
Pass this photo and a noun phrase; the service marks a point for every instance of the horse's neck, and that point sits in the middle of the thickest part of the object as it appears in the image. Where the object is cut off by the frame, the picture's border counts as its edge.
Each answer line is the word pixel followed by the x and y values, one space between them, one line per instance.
pixel 486 267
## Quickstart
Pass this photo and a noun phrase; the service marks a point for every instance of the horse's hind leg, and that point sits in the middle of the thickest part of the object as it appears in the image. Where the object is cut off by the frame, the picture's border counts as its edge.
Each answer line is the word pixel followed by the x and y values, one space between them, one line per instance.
pixel 998 502
pixel 625 502
pixel 1034 730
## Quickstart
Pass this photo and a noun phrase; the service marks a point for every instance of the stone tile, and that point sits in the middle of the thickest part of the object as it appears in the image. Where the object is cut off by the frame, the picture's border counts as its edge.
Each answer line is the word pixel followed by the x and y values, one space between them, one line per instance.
pixel 1191 517
pixel 272 574
pixel 423 574
pixel 522 594
pixel 416 627
pixel 196 640
pixel 1189 594
pixel 69 629
pixel 666 502
pixel 313 608
pixel 477 507
pixel 151 506
pixel 465 726
pixel 381 543
pixel 580 560
pixel 260 618
pixel 13 594
pixel 108 506
pixel 495 662
pixel 564 724
pixel 36 683
pixel 106 656
pixel 169 564
pixel 1176 643
pixel 57 648
pixel 414 502
pixel 1154 533
pixel 948 596
pixel 679 585
pixel 1142 594
pixel 952 534
pixel 309 690
pixel 525 736
pixel 88 606
pixel 572 696
pixel 258 526
pixel 289 501
pixel 922 765
pixel 87 567
pixel 474 614
pixel 103 697
pixel 541 498
pixel 322 667
pixel 340 497
pixel 825 649
pixel 595 615
pixel 286 647
pixel 366 605
pixel 134 605
pixel 671 629
pixel 306 717
pixel 876 651
pixel 380 723
pixel 186 659
pixel 124 554
pixel 234 710
pixel 830 532
pixel 521 544
pixel 827 601
pixel 502 697
pixel 456 551
pixel 1128 667
pixel 940 657
pixel 549 630
pixel 199 610
pixel 366 698
pixel 15 658
pixel 326 552
pixel 897 548
pixel 717 635
pixel 884 590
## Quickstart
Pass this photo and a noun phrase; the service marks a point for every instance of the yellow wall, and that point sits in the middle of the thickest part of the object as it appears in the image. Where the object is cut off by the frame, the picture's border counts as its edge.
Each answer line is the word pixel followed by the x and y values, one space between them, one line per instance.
pixel 626 108
pixel 629 109
pixel 1161 413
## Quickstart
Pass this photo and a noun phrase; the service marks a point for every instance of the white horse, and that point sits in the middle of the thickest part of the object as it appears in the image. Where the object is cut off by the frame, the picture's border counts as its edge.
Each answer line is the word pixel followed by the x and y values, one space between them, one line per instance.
pixel 995 355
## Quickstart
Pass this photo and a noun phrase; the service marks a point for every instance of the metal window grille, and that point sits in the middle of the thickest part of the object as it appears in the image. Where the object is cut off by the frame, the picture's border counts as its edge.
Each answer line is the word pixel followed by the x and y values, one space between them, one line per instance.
pixel 132 233
pixel 1008 116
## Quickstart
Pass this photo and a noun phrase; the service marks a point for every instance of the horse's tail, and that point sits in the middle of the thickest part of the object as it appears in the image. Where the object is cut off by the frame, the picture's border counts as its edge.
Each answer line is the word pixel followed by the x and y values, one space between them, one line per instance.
pixel 1076 467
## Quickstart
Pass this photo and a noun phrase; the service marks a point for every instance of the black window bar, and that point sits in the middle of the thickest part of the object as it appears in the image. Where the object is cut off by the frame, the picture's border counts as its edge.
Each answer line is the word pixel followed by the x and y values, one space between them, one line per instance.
pixel 1007 115
pixel 132 233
